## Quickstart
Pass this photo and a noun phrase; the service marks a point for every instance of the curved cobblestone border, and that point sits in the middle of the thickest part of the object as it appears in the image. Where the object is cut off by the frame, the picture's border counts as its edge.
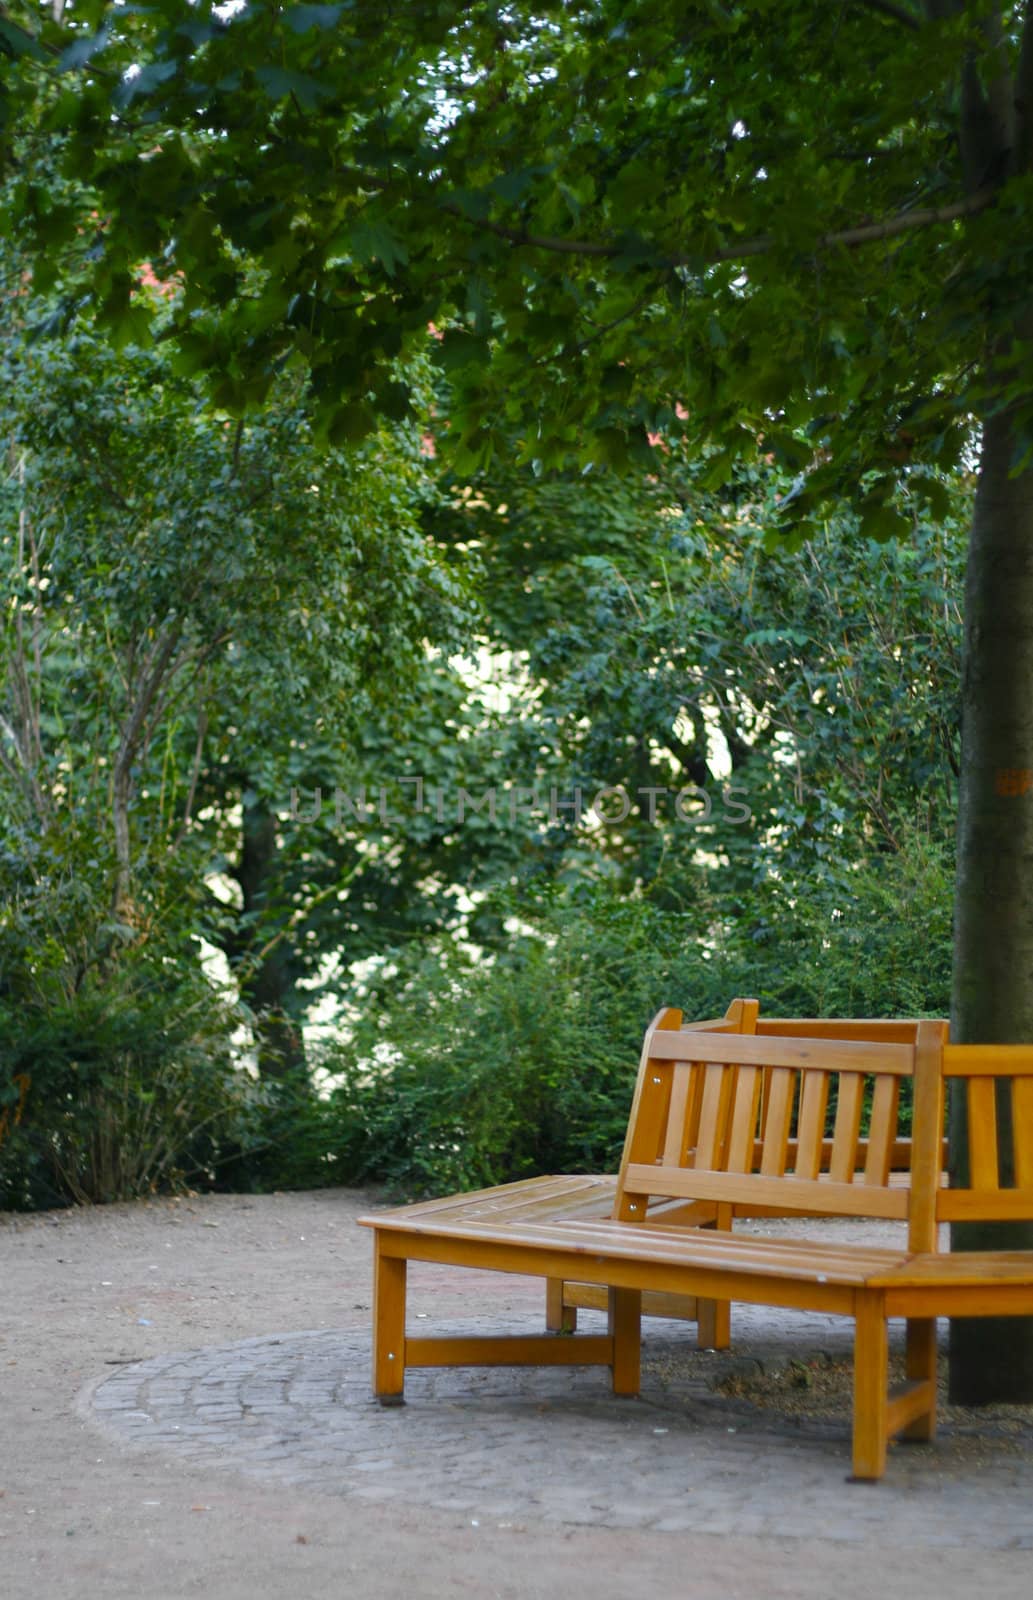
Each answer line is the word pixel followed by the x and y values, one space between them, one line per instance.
pixel 509 1446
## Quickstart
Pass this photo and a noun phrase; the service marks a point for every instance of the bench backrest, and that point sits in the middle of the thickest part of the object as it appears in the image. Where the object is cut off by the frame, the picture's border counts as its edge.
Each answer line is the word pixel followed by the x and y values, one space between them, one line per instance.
pixel 743 1119
pixel 745 1016
pixel 993 1176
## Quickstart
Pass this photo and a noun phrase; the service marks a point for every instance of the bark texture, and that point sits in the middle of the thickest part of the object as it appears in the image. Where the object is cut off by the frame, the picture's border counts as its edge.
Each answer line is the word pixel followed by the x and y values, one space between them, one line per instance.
pixel 992 1000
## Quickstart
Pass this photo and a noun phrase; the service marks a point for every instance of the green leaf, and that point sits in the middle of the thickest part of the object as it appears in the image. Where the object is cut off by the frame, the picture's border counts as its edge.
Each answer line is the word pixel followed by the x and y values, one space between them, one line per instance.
pixel 458 349
pixel 883 523
pixel 142 83
pixel 349 424
pixel 82 51
pixel 280 83
pixel 511 186
pixel 20 42
pixel 301 18
pixel 394 400
pixel 373 240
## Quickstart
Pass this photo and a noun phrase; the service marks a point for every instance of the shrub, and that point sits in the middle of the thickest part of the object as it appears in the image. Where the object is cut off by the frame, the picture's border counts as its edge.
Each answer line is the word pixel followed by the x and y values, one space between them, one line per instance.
pixel 120 1088
pixel 469 1072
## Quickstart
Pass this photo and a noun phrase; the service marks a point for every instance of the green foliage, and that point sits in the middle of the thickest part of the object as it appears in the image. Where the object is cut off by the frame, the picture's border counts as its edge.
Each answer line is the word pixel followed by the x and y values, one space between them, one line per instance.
pixel 292 1137
pixel 660 280
pixel 754 224
pixel 658 643
pixel 197 611
pixel 113 1088
pixel 870 937
pixel 468 1073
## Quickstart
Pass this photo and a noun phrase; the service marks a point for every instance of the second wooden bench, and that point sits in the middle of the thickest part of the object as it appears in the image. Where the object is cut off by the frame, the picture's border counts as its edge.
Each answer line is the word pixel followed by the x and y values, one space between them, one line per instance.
pixel 703 1102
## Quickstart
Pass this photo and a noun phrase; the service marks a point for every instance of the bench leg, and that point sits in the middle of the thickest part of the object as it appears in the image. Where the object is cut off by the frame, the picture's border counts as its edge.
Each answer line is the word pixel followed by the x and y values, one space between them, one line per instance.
pixel 558 1317
pixel 388 1328
pixel 625 1325
pixel 714 1317
pixel 713 1324
pixel 922 1368
pixel 871 1385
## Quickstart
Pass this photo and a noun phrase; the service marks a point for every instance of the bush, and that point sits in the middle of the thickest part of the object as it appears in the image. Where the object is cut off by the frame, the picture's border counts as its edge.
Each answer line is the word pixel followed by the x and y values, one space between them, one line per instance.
pixel 468 1073
pixel 118 1089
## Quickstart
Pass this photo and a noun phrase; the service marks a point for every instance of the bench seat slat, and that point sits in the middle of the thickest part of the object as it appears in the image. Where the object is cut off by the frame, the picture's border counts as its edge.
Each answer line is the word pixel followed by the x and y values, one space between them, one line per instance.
pixel 556 1187
pixel 979 1268
pixel 775 1258
pixel 671 1243
pixel 560 1189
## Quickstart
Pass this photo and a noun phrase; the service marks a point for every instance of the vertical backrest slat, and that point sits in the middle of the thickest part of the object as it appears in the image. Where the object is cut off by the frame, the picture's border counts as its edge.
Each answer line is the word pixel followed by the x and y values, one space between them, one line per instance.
pixel 847 1127
pixel 743 1131
pixel 982 1133
pixel 718 1084
pixel 677 1135
pixel 882 1130
pixel 694 1105
pixel 777 1115
pixel 648 1118
pixel 810 1131
pixel 927 1114
pixel 1022 1131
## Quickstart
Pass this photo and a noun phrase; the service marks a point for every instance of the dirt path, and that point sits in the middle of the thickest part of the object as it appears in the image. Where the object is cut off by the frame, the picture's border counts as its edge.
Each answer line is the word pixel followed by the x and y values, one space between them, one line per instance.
pixel 83 1294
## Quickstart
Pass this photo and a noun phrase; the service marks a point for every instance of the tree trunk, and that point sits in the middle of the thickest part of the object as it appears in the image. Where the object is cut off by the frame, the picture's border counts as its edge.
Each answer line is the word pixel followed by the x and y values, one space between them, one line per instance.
pixel 270 986
pixel 992 1001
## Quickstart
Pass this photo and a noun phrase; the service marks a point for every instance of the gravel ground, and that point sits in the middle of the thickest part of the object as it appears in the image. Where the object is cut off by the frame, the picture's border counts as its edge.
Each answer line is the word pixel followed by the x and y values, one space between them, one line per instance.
pixel 85 1295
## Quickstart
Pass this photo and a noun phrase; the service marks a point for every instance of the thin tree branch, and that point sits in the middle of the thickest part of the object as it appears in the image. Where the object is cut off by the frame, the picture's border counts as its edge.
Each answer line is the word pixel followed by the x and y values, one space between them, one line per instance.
pixel 253 962
pixel 195 773
pixel 908 19
pixel 608 327
pixel 129 744
pixel 176 685
pixel 762 244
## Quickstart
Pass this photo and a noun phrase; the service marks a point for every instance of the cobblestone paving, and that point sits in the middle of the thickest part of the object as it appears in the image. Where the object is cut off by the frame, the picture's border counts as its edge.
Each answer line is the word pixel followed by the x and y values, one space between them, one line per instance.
pixel 514 1446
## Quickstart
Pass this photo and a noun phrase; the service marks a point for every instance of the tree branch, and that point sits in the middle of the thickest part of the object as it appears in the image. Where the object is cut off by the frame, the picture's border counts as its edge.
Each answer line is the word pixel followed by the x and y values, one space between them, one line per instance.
pixel 195 773
pixel 762 244
pixel 900 14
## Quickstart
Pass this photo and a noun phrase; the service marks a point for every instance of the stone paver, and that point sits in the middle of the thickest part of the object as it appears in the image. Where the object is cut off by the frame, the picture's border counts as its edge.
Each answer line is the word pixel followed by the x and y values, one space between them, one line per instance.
pixel 512 1446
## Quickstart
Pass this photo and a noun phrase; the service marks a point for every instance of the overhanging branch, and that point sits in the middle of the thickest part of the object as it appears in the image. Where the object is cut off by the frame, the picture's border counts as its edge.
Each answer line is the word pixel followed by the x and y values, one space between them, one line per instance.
pixel 760 245
pixel 887 8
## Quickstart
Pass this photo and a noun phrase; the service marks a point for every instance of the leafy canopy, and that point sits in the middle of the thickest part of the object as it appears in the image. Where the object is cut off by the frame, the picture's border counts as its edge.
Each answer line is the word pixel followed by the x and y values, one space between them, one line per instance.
pixel 770 224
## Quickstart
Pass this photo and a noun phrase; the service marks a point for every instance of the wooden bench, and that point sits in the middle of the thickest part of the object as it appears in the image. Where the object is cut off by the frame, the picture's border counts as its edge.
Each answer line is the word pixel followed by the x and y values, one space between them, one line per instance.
pixel 703 1102
pixel 563 1300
